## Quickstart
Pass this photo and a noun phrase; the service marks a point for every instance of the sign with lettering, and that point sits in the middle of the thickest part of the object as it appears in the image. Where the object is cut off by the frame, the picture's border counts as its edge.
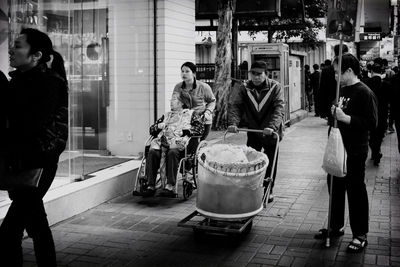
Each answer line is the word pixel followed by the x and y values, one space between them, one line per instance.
pixel 370 36
pixel 344 13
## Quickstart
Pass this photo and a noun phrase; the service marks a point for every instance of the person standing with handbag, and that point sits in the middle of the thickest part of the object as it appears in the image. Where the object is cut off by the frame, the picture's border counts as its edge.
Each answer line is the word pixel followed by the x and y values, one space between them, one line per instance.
pixel 36 112
pixel 357 116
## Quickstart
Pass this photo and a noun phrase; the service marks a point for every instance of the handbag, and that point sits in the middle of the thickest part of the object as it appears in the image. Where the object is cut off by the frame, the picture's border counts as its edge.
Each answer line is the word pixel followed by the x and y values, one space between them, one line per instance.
pixel 334 161
pixel 15 180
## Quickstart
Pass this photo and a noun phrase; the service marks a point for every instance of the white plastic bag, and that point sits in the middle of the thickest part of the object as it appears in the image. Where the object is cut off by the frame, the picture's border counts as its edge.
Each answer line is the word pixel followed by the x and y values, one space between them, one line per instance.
pixel 334 161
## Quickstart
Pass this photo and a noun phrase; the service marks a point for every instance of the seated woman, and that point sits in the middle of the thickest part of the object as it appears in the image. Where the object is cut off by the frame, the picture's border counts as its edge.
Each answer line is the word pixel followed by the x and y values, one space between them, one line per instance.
pixel 172 133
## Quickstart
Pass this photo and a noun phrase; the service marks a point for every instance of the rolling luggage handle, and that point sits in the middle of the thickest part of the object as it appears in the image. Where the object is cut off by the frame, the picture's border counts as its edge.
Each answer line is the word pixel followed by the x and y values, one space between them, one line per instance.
pixel 267 133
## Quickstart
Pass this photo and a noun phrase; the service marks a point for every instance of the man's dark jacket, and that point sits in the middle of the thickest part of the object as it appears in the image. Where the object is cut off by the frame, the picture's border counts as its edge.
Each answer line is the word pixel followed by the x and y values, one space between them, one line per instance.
pixel 258 107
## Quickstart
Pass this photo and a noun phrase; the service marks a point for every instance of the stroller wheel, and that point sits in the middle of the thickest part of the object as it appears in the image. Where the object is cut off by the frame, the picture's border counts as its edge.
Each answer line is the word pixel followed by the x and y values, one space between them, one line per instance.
pixel 187 189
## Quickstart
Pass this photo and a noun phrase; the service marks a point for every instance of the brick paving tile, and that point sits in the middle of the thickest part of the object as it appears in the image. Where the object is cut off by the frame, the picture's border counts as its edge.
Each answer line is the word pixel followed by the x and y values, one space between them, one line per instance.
pixel 132 231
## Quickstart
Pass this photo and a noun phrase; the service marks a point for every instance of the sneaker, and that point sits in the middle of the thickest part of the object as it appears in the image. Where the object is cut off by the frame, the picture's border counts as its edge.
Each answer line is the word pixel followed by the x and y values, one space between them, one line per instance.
pixel 270 198
pixel 391 130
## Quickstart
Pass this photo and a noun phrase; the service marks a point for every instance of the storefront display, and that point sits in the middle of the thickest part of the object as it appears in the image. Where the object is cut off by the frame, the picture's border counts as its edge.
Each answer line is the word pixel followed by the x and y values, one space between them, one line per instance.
pixel 79 33
pixel 107 50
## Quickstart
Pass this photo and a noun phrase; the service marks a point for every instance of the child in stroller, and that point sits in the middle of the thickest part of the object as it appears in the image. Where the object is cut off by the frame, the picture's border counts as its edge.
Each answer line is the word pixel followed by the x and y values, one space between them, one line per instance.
pixel 171 135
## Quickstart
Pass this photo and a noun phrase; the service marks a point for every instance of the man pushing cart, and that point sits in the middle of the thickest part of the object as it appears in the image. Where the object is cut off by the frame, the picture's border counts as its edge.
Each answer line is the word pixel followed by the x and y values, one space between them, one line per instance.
pixel 258 105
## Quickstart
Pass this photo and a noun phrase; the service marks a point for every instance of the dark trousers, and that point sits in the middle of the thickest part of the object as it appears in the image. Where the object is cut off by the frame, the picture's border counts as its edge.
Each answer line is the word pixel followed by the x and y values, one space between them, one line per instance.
pixel 316 103
pixel 397 125
pixel 375 142
pixel 376 137
pixel 309 96
pixel 357 196
pixel 268 143
pixel 153 164
pixel 27 212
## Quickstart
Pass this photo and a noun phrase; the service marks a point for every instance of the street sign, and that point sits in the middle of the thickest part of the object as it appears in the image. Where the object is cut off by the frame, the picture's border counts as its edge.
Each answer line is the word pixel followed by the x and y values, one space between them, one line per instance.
pixel 342 12
pixel 370 36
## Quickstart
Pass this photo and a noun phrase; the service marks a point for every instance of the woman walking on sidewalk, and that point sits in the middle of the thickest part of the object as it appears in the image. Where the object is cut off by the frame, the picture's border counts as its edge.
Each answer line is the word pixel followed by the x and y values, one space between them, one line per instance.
pixel 356 117
pixel 36 109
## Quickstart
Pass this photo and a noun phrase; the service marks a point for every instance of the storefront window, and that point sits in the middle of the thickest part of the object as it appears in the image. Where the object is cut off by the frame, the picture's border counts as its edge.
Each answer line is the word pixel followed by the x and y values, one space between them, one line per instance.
pixel 102 105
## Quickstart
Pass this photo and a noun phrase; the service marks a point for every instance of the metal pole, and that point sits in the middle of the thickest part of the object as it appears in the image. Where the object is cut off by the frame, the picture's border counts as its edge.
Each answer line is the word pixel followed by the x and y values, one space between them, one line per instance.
pixel 328 240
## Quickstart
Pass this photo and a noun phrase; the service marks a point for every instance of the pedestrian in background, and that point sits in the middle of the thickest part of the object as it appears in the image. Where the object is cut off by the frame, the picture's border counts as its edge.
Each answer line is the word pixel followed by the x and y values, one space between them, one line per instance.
pixel 36 95
pixel 395 104
pixel 197 93
pixel 388 75
pixel 356 117
pixel 260 102
pixel 308 88
pixel 328 86
pixel 315 80
pixel 381 89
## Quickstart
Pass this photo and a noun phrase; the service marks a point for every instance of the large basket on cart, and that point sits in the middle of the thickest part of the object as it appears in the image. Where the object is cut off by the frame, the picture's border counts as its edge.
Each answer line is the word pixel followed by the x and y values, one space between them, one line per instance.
pixel 230 191
pixel 230 195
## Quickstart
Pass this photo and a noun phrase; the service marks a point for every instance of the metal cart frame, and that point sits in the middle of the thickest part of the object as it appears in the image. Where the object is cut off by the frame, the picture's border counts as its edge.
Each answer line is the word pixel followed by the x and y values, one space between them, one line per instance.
pixel 202 224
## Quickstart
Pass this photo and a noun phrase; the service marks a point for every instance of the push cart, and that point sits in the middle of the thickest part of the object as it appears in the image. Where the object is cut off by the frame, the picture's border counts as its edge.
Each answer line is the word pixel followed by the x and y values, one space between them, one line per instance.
pixel 203 221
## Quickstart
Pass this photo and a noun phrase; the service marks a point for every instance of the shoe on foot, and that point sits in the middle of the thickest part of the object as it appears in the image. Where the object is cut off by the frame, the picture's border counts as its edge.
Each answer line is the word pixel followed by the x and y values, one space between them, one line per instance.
pixel 270 198
pixel 357 244
pixel 168 191
pixel 323 233
pixel 169 187
pixel 149 192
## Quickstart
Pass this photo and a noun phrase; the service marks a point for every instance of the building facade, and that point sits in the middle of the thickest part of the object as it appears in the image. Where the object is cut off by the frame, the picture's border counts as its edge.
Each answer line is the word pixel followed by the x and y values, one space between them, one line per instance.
pixel 122 59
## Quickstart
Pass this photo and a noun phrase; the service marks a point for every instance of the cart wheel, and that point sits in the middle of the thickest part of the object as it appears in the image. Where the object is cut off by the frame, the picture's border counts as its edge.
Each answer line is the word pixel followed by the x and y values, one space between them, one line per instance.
pixel 248 228
pixel 198 234
pixel 187 189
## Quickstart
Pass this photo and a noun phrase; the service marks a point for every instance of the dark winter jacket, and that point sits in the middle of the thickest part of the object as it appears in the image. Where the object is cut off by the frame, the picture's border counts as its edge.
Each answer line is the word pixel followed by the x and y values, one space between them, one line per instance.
pixel 258 107
pixel 307 81
pixel 37 113
pixel 395 96
pixel 327 91
pixel 381 89
pixel 315 80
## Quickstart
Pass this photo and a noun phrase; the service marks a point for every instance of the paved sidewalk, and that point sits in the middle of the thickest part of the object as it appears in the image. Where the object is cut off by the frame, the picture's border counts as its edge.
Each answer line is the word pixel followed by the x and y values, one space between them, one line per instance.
pixel 132 231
